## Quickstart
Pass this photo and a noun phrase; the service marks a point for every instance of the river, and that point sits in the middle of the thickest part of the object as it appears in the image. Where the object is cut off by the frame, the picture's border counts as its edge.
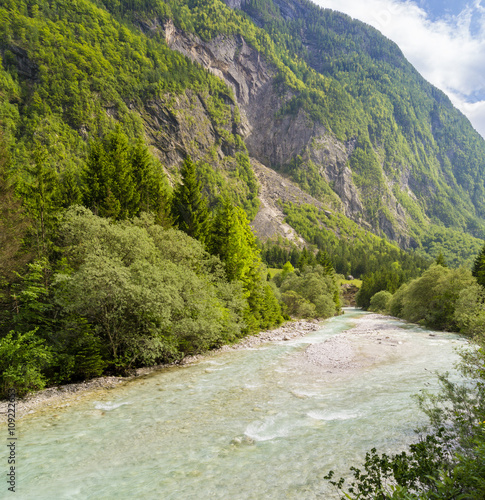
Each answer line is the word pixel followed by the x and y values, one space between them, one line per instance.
pixel 261 423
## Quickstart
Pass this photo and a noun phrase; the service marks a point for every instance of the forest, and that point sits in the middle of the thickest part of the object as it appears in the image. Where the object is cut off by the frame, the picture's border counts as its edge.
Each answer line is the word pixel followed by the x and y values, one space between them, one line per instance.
pixel 70 75
pixel 127 276
pixel 75 83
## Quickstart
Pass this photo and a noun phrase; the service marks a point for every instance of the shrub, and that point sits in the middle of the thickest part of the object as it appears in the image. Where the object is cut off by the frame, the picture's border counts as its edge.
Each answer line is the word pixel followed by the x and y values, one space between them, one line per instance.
pixel 380 301
pixel 313 287
pixel 431 299
pixel 22 358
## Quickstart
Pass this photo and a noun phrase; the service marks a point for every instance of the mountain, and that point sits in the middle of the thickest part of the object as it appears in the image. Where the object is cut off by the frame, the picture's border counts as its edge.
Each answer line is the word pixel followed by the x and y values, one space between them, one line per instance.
pixel 303 116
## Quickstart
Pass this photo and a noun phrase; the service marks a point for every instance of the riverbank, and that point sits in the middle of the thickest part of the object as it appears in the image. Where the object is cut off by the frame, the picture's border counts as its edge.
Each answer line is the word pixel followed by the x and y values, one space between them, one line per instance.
pixel 61 396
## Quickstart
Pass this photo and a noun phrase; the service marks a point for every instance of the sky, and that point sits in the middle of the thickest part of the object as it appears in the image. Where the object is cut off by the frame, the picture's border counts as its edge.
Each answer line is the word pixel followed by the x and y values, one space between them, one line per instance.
pixel 443 39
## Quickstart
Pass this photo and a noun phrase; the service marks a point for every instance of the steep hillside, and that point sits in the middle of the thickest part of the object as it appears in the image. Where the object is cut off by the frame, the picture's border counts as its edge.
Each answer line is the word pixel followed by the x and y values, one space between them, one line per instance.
pixel 348 114
pixel 70 75
pixel 323 101
pixel 405 131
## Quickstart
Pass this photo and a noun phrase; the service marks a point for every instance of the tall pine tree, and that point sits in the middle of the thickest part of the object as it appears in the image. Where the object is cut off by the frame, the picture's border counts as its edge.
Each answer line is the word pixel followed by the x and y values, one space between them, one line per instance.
pixel 151 185
pixel 40 196
pixel 232 239
pixel 478 269
pixel 189 207
pixel 111 189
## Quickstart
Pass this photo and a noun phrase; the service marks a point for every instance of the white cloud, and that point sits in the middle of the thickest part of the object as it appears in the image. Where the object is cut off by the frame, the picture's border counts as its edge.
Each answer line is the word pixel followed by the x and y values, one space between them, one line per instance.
pixel 449 53
pixel 475 113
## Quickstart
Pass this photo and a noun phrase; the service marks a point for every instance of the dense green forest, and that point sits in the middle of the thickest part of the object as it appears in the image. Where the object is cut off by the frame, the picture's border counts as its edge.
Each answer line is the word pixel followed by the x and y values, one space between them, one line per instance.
pixel 70 75
pixel 116 151
pixel 346 76
pixel 85 292
pixel 359 85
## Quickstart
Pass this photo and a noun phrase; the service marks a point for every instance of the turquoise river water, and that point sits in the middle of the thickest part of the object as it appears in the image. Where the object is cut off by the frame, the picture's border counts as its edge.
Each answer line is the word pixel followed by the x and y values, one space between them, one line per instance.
pixel 243 424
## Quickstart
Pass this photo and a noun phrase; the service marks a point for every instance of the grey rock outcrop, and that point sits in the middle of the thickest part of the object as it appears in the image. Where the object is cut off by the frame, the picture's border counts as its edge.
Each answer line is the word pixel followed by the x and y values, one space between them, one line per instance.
pixel 274 139
pixel 275 190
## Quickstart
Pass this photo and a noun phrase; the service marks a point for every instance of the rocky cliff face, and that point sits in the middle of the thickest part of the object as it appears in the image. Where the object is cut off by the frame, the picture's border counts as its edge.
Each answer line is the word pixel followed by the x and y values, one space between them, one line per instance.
pixel 275 190
pixel 176 133
pixel 275 139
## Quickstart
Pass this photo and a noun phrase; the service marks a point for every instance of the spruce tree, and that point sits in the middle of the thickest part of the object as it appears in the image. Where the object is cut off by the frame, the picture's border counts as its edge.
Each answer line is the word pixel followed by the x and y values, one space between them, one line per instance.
pixel 111 190
pixel 69 192
pixel 96 178
pixel 478 270
pixel 440 260
pixel 324 260
pixel 14 223
pixel 189 207
pixel 142 174
pixel 40 198
pixel 151 185
pixel 232 239
pixel 123 186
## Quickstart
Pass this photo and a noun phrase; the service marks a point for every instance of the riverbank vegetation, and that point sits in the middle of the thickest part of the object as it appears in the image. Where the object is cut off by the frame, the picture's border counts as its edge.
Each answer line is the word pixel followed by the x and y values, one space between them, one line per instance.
pixel 105 265
pixel 448 461
pixel 122 294
pixel 309 292
pixel 113 271
pixel 441 298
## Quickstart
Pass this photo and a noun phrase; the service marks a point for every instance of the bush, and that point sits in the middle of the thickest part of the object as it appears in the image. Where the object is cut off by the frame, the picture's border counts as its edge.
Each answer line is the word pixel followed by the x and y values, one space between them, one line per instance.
pixel 149 294
pixel 22 358
pixel 311 294
pixel 380 301
pixel 396 303
pixel 470 312
pixel 431 299
pixel 298 306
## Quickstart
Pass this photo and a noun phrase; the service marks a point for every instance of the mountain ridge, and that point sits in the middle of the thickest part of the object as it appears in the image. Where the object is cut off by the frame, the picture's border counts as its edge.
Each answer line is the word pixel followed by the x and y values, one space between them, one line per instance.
pixel 350 123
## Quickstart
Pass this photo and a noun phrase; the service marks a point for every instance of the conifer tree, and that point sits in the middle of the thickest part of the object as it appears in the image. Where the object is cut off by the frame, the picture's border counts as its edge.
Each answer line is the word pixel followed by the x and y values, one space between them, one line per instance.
pixel 440 260
pixel 232 239
pixel 40 198
pixel 303 259
pixel 324 260
pixel 111 189
pixel 96 178
pixel 13 221
pixel 151 185
pixel 141 166
pixel 123 185
pixel 478 270
pixel 189 207
pixel 69 192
